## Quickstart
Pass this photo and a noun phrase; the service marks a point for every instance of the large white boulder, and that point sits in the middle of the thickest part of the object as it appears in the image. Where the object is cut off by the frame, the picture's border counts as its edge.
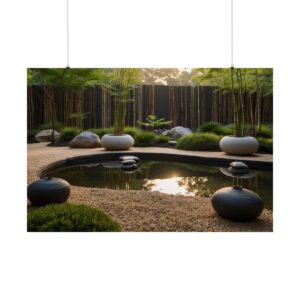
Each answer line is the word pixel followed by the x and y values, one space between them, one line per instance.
pixel 85 139
pixel 178 132
pixel 46 135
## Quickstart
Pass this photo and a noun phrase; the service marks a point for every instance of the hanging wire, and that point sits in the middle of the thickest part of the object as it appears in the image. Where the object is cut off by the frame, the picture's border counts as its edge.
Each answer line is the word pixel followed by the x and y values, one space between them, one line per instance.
pixel 231 15
pixel 68 33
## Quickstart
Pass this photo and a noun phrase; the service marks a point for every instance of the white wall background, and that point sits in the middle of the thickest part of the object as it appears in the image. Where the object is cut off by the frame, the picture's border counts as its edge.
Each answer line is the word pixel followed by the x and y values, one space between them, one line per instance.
pixel 149 33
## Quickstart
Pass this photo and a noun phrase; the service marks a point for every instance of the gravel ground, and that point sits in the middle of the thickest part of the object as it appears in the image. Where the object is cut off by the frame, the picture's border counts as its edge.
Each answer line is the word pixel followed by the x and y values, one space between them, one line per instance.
pixel 143 210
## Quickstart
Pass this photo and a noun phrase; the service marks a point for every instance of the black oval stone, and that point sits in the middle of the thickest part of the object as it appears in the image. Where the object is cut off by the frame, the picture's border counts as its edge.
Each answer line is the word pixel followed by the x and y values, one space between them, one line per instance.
pixel 48 190
pixel 238 171
pixel 237 204
pixel 128 162
pixel 129 167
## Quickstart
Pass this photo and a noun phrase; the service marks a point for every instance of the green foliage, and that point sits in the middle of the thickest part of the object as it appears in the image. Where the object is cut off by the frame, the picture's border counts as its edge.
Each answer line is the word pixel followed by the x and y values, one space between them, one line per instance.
pixel 239 83
pixel 79 117
pixel 228 129
pixel 199 141
pixel 166 76
pixel 265 144
pixel 31 133
pixel 69 217
pixel 68 133
pixel 123 81
pixel 101 131
pixel 266 131
pixel 133 131
pixel 162 138
pixel 75 78
pixel 210 127
pixel 154 122
pixel 216 128
pixel 57 126
pixel 145 139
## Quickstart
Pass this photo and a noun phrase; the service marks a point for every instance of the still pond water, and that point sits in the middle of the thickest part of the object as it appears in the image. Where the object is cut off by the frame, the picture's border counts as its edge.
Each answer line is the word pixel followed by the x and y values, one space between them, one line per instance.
pixel 166 177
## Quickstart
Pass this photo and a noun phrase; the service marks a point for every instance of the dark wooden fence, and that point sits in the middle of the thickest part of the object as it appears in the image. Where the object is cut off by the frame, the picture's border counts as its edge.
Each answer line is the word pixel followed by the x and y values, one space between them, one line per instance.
pixel 185 105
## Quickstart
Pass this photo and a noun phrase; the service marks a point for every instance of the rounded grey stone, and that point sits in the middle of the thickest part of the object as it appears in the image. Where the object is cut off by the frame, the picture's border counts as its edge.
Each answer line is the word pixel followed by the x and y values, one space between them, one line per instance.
pixel 129 157
pixel 238 165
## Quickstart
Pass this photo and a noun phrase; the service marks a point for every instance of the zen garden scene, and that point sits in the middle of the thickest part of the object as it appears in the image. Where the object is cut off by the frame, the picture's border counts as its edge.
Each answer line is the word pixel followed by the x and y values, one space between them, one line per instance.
pixel 154 150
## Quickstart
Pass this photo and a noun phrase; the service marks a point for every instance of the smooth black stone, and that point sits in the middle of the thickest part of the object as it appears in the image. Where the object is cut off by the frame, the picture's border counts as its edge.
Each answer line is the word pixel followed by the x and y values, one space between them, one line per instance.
pixel 48 190
pixel 248 174
pixel 127 157
pixel 128 162
pixel 129 167
pixel 237 204
pixel 238 171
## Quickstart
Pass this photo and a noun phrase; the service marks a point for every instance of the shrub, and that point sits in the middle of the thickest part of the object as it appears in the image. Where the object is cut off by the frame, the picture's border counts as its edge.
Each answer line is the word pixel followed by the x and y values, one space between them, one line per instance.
pixel 68 133
pixel 265 145
pixel 69 217
pixel 145 139
pixel 101 131
pixel 199 141
pixel 217 128
pixel 162 138
pixel 210 127
pixel 133 131
pixel 266 131
pixel 31 134
pixel 57 126
pixel 227 129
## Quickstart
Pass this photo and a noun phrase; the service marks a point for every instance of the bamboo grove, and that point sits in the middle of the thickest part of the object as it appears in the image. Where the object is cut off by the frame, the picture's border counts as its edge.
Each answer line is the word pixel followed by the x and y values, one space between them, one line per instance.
pixel 92 103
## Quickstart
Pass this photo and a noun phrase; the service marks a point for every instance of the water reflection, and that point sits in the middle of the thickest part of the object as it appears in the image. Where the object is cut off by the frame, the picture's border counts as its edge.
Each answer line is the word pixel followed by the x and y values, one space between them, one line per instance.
pixel 166 177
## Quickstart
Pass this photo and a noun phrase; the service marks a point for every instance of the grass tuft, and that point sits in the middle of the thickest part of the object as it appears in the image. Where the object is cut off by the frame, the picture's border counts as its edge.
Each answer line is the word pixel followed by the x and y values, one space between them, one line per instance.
pixel 68 133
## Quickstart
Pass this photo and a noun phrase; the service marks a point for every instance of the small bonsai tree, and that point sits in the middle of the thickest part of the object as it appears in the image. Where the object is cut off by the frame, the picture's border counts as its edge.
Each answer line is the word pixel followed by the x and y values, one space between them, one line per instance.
pixel 153 122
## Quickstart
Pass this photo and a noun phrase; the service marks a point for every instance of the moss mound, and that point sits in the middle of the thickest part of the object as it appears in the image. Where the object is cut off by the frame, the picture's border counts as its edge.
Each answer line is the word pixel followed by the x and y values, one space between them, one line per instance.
pixel 199 141
pixel 69 218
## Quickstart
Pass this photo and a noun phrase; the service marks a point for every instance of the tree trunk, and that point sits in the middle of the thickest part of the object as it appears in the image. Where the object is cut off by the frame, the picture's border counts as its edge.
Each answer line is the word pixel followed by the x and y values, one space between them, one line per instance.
pixel 251 112
pixel 258 102
pixel 235 108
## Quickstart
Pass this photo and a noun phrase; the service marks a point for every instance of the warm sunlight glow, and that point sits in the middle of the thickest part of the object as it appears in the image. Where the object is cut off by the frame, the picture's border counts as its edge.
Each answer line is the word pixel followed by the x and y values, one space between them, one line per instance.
pixel 171 186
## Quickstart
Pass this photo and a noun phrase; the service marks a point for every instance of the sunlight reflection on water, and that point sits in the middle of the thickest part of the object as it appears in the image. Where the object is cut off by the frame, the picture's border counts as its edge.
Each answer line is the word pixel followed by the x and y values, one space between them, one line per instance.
pixel 171 186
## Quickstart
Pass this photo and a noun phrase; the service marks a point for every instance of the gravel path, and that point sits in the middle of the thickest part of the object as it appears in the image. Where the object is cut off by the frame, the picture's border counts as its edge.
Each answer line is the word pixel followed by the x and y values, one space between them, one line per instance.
pixel 143 210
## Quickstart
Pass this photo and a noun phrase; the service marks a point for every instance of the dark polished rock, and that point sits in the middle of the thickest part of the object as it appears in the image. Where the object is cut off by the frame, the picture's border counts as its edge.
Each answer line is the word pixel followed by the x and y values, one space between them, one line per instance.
pixel 237 204
pixel 128 162
pixel 48 190
pixel 228 173
pixel 238 167
pixel 129 167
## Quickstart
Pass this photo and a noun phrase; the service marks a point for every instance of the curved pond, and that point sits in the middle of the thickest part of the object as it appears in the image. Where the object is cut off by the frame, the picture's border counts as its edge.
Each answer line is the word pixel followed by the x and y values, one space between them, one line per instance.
pixel 176 178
